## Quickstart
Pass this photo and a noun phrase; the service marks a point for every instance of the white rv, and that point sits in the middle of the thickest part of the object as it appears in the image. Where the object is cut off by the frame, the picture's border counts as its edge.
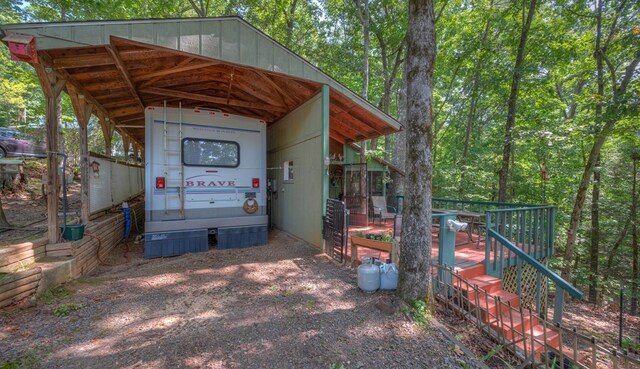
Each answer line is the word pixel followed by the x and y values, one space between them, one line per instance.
pixel 205 174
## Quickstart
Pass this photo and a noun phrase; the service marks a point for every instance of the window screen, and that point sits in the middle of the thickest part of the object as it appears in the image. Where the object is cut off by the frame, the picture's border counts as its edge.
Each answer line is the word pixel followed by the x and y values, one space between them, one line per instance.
pixel 210 153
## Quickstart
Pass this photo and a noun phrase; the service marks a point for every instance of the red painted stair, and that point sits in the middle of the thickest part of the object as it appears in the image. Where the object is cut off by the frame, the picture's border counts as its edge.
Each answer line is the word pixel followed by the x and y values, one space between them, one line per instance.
pixel 501 310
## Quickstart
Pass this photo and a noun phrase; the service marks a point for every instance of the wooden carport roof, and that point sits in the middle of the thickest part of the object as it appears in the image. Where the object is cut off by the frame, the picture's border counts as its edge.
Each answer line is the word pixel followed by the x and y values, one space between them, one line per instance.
pixel 121 67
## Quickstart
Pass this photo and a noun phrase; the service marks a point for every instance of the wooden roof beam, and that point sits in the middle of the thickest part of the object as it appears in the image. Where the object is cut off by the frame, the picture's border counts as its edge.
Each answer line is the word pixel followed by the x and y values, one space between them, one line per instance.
pixel 174 70
pixel 211 99
pixel 155 79
pixel 258 91
pixel 112 49
pixel 80 61
pixel 283 95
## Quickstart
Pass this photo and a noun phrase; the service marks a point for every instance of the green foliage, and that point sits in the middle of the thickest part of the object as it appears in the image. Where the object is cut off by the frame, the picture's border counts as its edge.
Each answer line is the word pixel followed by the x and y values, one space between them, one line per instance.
pixel 630 344
pixel 421 314
pixel 386 236
pixel 53 295
pixel 29 360
pixel 65 309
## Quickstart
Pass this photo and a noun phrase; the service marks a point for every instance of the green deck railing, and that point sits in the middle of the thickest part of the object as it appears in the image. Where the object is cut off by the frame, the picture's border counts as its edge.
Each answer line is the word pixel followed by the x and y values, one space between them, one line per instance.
pixel 531 229
pixel 515 234
pixel 543 274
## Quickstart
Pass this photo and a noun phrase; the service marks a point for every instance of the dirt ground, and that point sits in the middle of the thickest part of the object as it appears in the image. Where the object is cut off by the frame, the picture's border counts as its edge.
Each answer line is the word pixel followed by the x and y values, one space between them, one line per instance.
pixel 284 305
pixel 25 206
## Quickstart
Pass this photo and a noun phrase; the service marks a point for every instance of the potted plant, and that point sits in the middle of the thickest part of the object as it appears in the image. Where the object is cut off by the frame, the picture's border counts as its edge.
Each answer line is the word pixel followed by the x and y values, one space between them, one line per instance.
pixel 381 242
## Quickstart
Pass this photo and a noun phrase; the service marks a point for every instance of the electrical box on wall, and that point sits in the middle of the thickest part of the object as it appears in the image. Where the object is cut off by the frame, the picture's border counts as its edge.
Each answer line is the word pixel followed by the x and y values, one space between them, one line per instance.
pixel 22 47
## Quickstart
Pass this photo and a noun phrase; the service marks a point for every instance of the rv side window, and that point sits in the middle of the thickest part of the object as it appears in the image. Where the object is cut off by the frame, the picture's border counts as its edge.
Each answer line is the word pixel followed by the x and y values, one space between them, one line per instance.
pixel 210 153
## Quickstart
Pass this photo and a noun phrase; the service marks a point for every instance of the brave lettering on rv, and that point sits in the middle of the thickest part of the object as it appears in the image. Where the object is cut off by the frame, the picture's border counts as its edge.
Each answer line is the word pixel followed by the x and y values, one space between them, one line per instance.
pixel 210 184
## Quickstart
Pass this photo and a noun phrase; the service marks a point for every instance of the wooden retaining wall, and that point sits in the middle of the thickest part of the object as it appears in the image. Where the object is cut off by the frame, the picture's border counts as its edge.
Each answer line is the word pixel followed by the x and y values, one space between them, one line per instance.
pixel 21 255
pixel 19 285
pixel 82 256
pixel 98 241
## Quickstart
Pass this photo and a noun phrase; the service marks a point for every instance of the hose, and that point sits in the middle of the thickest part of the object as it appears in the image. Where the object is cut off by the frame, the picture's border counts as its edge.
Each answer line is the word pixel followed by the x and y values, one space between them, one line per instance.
pixel 127 222
pixel 135 219
pixel 99 245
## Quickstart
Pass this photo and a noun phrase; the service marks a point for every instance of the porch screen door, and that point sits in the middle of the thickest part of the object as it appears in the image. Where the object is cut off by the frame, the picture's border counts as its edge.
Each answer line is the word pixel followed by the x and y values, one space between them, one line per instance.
pixel 355 193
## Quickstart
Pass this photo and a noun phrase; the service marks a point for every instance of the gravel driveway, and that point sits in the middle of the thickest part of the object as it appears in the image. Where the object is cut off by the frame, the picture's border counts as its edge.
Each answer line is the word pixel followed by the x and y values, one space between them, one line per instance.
pixel 285 305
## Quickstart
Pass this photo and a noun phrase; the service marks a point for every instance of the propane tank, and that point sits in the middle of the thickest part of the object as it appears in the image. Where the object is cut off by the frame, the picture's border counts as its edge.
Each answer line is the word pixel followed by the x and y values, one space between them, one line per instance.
pixel 368 276
pixel 388 276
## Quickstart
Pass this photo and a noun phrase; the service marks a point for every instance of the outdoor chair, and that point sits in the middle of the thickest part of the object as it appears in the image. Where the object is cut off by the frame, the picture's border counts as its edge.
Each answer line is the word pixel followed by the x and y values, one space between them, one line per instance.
pixel 381 210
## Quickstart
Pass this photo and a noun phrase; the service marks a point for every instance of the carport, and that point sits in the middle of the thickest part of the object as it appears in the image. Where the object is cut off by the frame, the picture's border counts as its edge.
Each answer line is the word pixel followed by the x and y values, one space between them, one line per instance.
pixel 116 69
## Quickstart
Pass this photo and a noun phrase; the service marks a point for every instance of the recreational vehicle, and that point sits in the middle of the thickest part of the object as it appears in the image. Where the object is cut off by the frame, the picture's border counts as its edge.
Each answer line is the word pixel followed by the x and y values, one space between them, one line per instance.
pixel 205 175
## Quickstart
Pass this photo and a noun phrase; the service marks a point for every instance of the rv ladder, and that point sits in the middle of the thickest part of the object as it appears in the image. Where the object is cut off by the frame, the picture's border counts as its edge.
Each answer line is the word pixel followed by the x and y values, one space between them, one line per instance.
pixel 173 150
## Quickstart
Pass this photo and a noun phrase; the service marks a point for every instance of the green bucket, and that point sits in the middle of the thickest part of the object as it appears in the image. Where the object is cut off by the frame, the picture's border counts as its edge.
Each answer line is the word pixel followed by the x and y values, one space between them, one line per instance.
pixel 73 232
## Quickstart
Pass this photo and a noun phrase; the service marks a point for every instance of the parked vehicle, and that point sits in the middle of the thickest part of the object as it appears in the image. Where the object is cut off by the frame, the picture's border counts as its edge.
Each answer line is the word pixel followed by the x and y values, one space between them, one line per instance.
pixel 16 143
pixel 205 173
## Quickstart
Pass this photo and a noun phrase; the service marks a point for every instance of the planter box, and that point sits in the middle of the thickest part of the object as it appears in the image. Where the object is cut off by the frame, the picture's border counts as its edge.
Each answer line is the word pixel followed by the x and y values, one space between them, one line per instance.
pixel 390 247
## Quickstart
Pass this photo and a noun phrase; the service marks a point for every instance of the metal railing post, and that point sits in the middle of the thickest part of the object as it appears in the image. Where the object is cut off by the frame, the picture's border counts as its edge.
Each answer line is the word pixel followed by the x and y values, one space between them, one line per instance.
pixel 558 305
pixel 446 244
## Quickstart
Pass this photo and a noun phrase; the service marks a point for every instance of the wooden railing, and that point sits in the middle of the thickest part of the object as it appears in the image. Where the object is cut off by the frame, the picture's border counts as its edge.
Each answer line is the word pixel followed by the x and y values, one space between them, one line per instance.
pixel 531 229
pixel 557 346
pixel 475 206
pixel 525 236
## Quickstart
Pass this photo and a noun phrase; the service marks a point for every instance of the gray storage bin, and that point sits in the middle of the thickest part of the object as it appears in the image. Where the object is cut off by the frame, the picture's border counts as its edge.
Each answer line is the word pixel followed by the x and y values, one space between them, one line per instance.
pixel 161 244
pixel 239 237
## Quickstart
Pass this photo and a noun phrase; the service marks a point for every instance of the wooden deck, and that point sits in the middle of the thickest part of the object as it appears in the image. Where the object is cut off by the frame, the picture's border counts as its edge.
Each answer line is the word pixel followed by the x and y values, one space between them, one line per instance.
pixel 467 253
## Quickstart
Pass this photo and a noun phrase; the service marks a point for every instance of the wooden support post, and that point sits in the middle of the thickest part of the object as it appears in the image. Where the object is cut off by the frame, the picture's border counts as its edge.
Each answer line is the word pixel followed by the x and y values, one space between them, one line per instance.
pixel 51 87
pixel 83 110
pixel 126 143
pixel 136 152
pixel 108 126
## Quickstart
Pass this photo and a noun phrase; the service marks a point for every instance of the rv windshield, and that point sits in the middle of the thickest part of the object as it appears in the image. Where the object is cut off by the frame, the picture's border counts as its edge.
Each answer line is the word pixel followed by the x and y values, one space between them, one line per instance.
pixel 210 153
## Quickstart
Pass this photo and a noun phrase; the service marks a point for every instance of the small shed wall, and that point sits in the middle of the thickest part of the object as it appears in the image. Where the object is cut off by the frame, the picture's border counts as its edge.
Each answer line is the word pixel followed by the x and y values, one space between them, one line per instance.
pixel 298 137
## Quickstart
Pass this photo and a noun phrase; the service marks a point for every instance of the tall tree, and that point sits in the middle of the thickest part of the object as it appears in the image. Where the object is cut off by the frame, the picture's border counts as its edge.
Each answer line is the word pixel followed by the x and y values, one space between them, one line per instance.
pixel 513 100
pixel 635 268
pixel 473 101
pixel 415 272
pixel 616 105
pixel 594 252
pixel 400 138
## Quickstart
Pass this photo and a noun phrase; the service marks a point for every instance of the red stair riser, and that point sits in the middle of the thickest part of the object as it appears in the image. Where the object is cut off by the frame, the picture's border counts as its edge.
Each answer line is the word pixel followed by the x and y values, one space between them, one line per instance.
pixel 475 276
pixel 474 271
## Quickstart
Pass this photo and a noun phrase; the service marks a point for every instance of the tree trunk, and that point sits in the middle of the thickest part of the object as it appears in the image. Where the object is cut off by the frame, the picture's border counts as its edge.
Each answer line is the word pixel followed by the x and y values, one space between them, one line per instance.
pixel 362 11
pixel 415 271
pixel 595 152
pixel 635 273
pixel 512 103
pixel 289 16
pixel 472 107
pixel 610 117
pixel 614 250
pixel 3 219
pixel 595 237
pixel 400 138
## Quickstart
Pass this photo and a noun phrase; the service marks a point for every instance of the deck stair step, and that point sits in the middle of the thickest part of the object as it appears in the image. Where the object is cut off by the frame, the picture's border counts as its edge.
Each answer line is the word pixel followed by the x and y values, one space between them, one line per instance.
pixel 501 310
pixel 474 271
pixel 484 283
